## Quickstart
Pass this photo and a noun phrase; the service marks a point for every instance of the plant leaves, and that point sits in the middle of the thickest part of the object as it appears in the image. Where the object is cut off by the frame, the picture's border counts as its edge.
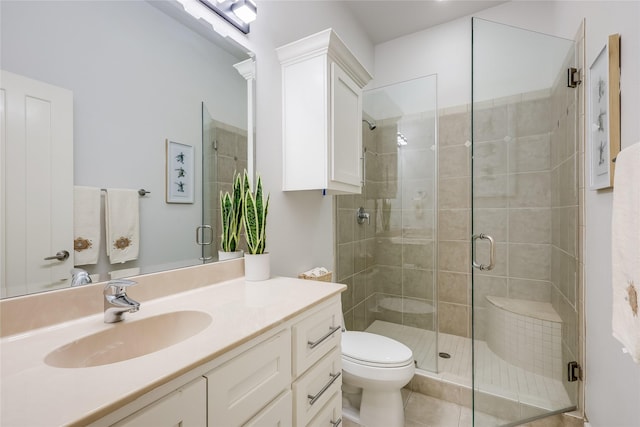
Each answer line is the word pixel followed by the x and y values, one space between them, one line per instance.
pixel 251 222
pixel 231 216
pixel 225 206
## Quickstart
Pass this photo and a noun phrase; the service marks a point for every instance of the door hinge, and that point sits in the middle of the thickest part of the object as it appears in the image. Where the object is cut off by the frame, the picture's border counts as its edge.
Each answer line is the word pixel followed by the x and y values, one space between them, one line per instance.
pixel 574 77
pixel 574 372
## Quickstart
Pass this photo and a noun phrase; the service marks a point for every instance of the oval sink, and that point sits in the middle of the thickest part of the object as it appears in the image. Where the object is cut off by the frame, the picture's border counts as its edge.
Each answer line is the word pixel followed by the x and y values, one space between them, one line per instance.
pixel 128 340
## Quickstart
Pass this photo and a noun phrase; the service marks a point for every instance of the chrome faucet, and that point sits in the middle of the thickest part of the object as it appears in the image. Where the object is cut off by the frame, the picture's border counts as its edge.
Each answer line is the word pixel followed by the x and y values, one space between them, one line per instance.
pixel 116 301
pixel 79 277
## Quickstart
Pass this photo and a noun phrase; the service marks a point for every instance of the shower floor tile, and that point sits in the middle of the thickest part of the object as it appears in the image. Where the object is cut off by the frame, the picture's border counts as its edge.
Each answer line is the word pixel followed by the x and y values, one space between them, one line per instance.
pixel 493 375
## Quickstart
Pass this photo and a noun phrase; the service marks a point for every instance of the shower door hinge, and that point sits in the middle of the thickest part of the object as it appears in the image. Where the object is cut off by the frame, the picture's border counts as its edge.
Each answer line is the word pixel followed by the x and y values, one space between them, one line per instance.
pixel 574 77
pixel 574 372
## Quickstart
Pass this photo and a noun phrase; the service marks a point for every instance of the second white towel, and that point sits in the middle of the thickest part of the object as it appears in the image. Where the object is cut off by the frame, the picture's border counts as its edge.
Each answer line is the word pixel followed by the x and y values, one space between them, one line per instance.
pixel 122 223
pixel 625 250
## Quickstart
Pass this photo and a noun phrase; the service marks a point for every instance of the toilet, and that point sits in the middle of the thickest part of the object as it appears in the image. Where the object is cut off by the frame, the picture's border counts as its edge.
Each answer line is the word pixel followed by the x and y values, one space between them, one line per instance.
pixel 374 370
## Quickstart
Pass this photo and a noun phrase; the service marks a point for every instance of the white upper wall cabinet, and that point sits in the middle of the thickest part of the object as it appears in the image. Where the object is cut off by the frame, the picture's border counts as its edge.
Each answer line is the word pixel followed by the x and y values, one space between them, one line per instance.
pixel 322 85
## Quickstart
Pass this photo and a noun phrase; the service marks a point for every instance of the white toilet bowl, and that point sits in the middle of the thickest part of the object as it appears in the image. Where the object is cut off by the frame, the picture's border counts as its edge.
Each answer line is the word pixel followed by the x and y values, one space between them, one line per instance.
pixel 374 368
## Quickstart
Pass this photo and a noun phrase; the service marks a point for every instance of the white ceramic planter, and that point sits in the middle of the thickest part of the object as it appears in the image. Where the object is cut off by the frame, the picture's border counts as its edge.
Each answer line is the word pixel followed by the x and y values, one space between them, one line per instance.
pixel 257 267
pixel 223 256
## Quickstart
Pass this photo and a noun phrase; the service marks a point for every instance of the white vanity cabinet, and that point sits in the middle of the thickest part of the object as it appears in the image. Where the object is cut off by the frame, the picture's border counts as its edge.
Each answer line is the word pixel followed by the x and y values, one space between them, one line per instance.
pixel 290 375
pixel 322 85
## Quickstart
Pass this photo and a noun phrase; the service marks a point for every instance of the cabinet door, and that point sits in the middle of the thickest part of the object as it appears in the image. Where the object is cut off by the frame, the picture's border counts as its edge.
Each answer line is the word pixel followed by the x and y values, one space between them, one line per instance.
pixel 316 387
pixel 277 414
pixel 346 129
pixel 185 407
pixel 240 388
pixel 314 336
pixel 330 414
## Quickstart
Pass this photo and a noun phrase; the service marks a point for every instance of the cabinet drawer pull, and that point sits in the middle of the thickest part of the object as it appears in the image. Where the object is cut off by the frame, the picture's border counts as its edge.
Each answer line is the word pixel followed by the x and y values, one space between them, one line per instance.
pixel 334 377
pixel 314 344
pixel 337 423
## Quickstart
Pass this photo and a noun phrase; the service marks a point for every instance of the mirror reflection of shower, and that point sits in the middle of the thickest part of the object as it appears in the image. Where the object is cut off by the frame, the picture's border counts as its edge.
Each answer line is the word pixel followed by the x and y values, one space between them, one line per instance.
pixel 371 124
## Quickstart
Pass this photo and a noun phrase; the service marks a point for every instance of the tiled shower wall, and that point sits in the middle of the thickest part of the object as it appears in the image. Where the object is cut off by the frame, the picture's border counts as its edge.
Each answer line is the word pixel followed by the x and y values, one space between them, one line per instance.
pixel 512 198
pixel 390 258
pixel 512 195
pixel 454 221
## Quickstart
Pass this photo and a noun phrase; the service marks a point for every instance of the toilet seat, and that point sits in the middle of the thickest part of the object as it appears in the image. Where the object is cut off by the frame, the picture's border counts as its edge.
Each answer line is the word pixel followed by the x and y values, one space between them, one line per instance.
pixel 375 350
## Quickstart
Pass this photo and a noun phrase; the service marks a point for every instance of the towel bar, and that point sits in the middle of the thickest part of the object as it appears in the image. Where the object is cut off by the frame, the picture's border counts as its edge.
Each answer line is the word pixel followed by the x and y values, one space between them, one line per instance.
pixel 142 192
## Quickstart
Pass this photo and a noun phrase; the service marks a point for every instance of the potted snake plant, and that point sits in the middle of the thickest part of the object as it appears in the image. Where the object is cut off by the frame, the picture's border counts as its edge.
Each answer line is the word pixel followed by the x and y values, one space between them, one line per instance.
pixel 255 208
pixel 231 216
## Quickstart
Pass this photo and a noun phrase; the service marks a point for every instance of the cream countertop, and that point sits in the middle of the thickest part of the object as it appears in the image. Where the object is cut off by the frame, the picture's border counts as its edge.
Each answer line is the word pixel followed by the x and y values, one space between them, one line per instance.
pixel 35 394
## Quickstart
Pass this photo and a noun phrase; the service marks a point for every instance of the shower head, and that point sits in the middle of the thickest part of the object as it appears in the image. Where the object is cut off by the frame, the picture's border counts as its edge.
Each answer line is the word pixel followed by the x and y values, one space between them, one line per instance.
pixel 372 125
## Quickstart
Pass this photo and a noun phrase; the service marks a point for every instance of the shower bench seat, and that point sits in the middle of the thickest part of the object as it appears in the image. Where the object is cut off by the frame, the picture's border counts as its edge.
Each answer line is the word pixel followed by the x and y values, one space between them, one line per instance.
pixel 527 334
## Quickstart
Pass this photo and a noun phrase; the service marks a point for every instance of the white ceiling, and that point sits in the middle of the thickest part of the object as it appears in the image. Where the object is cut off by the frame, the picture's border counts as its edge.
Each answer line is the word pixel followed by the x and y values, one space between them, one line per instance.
pixel 390 19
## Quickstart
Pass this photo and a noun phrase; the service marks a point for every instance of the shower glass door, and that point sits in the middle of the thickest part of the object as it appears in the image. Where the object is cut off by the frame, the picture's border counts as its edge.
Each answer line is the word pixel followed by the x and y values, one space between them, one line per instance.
pixel 388 257
pixel 525 221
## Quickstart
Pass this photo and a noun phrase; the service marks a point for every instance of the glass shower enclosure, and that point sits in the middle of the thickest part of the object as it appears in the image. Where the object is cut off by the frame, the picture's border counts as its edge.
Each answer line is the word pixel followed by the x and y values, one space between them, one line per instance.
pixel 525 222
pixel 389 259
pixel 491 183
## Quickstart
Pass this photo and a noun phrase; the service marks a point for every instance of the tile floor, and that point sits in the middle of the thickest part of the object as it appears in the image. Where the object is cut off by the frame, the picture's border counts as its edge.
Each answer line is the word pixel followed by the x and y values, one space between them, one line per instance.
pixel 427 411
pixel 493 374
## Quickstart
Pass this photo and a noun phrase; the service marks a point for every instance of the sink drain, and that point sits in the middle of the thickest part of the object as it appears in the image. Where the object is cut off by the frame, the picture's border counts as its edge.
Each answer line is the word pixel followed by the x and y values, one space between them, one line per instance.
pixel 444 355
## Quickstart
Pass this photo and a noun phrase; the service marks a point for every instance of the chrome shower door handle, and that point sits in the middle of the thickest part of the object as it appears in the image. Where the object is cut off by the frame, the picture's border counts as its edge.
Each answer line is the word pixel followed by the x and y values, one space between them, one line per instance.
pixel 200 232
pixel 492 252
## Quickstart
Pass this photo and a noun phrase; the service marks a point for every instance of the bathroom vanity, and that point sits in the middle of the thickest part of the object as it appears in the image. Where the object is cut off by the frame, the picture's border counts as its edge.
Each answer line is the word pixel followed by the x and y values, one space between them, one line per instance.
pixel 262 353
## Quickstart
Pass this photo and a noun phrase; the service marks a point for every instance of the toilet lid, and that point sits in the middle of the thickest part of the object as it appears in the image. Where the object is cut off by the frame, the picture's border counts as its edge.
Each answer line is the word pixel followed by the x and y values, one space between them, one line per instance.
pixel 375 350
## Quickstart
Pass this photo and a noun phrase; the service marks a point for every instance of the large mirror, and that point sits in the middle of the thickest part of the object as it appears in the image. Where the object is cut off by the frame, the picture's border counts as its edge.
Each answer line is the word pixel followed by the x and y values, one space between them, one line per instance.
pixel 133 76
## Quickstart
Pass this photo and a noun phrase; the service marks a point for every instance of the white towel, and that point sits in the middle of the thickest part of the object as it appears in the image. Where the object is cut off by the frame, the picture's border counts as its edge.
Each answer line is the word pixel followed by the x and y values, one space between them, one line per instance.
pixel 625 251
pixel 86 225
pixel 122 222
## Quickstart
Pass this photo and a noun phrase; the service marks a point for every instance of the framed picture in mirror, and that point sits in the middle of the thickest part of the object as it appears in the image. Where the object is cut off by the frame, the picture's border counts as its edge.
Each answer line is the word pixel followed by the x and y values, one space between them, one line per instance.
pixel 604 114
pixel 180 172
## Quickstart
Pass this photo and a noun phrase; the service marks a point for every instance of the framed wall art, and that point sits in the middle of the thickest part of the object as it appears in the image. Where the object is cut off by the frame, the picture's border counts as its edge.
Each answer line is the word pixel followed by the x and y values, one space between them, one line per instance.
pixel 603 127
pixel 180 172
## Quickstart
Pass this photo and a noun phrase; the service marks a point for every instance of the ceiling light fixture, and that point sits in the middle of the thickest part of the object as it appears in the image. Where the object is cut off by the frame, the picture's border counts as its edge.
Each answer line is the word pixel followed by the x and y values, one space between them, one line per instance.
pixel 238 13
pixel 245 10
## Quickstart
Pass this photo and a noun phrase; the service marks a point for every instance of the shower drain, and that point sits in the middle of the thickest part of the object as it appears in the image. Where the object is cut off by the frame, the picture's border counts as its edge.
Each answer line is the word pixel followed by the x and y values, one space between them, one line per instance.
pixel 444 355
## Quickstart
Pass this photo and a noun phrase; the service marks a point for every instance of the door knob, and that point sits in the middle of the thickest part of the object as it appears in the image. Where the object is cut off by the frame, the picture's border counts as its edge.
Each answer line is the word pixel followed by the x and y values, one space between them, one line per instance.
pixel 60 256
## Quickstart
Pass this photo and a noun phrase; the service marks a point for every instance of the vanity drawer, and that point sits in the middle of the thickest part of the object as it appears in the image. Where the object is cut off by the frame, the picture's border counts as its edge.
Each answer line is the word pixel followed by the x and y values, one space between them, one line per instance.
pixel 315 336
pixel 331 414
pixel 186 407
pixel 315 388
pixel 240 388
pixel 277 414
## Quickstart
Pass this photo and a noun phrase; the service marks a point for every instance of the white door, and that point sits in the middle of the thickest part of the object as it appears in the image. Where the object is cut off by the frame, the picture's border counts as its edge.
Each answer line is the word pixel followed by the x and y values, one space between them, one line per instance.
pixel 36 188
